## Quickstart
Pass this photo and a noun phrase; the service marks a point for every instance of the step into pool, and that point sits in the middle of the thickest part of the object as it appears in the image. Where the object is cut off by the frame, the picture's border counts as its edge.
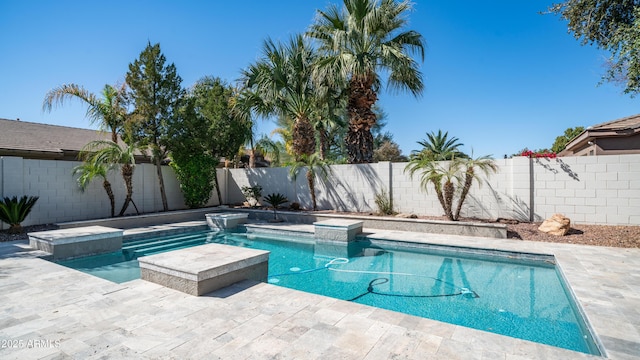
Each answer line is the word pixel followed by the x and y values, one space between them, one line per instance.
pixel 522 297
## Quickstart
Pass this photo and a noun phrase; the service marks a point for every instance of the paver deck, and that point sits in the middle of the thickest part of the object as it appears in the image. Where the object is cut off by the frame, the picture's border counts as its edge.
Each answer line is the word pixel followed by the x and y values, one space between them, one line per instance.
pixel 52 312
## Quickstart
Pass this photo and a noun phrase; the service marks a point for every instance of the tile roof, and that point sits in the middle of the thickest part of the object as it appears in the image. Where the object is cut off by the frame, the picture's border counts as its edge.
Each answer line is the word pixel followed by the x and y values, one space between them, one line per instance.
pixel 629 122
pixel 44 138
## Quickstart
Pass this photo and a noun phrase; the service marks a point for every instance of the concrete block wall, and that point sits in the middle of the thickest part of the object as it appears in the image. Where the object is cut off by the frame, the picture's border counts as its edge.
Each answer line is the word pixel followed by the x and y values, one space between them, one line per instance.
pixel 61 200
pixel 347 188
pixel 589 190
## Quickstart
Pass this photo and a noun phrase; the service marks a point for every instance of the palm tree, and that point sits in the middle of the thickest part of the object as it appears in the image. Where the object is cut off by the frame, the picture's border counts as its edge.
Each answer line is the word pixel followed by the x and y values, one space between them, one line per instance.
pixel 244 103
pixel 313 164
pixel 358 43
pixel 269 147
pixel 109 111
pixel 87 171
pixel 111 154
pixel 439 147
pixel 485 164
pixel 442 175
pixel 282 80
pixel 450 178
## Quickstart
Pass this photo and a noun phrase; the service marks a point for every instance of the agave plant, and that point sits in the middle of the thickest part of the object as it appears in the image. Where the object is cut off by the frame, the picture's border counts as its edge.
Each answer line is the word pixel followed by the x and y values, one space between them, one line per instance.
pixel 14 211
pixel 275 200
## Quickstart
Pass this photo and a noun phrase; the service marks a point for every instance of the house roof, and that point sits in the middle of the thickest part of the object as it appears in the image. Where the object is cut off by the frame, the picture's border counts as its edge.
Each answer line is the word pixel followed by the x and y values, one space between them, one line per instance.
pixel 623 127
pixel 624 124
pixel 43 141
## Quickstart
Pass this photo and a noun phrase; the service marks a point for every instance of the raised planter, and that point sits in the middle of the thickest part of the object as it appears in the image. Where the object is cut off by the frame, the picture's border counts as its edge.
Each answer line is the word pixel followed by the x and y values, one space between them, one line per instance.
pixel 205 268
pixel 77 242
pixel 137 221
pixel 385 223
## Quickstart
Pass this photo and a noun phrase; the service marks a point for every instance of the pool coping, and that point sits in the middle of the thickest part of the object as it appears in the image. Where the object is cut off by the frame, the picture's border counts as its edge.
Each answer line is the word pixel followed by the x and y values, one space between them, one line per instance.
pixel 604 281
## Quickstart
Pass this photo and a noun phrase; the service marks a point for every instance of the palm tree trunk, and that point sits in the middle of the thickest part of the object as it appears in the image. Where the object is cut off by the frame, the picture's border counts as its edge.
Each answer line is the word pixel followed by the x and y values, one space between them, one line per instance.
pixel 468 179
pixel 127 175
pixel 312 188
pixel 324 143
pixel 107 187
pixel 359 146
pixel 304 140
pixel 438 188
pixel 359 140
pixel 449 190
pixel 252 157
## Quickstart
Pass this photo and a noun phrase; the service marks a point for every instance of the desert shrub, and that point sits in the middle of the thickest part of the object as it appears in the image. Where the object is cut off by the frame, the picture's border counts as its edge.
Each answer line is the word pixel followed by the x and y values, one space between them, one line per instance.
pixel 384 203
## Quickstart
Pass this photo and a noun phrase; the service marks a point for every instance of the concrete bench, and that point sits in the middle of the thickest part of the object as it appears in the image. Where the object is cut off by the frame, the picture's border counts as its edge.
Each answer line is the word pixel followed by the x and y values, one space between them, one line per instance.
pixel 222 221
pixel 77 242
pixel 205 268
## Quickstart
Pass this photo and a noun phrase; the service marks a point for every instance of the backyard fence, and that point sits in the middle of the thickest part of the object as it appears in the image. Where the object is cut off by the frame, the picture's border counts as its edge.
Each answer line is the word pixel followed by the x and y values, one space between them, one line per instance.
pixel 589 190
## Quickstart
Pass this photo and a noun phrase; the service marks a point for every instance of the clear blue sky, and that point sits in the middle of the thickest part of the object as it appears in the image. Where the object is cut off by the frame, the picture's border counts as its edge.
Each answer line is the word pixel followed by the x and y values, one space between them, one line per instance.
pixel 497 75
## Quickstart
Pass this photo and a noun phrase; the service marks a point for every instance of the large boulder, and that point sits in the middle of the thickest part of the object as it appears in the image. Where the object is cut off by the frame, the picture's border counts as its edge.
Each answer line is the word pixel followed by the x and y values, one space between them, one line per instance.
pixel 557 224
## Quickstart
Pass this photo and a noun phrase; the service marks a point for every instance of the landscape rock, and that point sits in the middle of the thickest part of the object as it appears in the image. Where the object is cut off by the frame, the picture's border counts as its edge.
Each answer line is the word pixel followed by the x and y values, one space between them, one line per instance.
pixel 407 216
pixel 557 224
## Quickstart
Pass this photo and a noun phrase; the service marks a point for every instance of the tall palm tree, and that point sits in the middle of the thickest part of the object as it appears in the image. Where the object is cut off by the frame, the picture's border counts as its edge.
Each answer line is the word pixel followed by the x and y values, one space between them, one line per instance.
pixel 109 111
pixel 282 79
pixel 87 171
pixel 315 166
pixel 112 154
pixel 440 147
pixel 358 43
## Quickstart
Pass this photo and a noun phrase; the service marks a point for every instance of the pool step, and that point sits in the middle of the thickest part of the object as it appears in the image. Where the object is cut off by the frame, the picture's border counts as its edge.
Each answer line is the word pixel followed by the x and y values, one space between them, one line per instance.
pixel 151 246
pixel 140 243
pixel 166 247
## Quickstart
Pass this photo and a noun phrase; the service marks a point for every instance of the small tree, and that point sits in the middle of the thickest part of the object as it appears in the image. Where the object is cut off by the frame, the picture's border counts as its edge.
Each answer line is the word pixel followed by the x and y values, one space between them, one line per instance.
pixel 313 164
pixel 109 154
pixel 156 93
pixel 613 26
pixel 87 171
pixel 561 141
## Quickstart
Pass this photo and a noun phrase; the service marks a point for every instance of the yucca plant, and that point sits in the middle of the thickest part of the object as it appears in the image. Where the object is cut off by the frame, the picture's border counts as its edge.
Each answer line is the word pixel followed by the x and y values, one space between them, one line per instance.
pixel 14 211
pixel 275 200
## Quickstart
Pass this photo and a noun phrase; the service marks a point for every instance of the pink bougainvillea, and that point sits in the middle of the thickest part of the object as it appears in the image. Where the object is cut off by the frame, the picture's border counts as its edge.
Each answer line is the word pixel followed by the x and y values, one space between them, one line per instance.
pixel 532 154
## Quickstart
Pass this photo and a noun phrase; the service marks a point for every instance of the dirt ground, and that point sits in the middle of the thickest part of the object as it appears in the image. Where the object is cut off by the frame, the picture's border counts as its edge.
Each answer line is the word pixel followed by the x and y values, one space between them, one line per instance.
pixel 599 235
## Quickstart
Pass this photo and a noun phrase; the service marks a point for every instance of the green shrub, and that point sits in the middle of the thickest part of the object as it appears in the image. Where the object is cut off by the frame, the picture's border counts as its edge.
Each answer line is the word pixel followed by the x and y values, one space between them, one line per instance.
pixel 14 211
pixel 196 176
pixel 384 203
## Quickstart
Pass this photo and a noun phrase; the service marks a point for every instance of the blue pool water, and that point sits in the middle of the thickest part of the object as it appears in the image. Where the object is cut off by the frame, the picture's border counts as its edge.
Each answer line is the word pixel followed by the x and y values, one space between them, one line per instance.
pixel 520 298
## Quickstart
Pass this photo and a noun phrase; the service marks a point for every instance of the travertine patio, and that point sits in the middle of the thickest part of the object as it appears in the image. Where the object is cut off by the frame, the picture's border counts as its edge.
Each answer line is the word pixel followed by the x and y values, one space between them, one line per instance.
pixel 52 312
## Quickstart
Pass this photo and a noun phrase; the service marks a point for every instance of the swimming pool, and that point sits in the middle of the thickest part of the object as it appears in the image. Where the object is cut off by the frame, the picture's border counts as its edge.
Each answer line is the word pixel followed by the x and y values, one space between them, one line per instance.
pixel 524 297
